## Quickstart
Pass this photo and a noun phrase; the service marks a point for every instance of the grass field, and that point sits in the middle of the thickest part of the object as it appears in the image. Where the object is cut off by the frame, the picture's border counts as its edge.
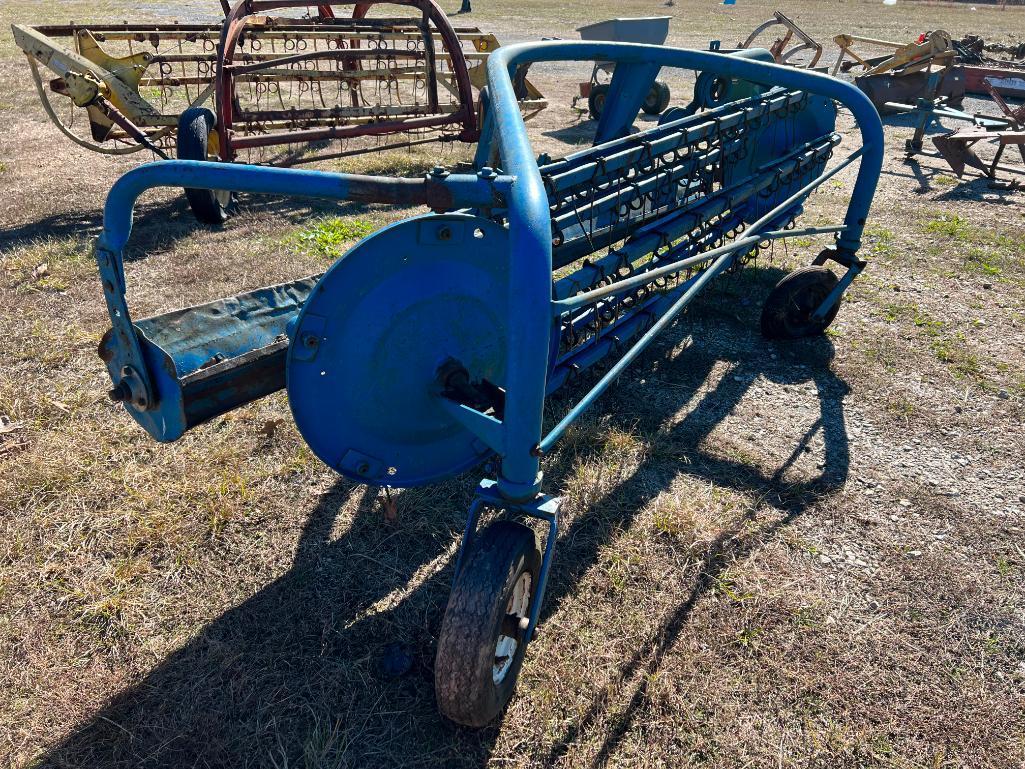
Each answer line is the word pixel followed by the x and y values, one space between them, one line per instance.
pixel 774 555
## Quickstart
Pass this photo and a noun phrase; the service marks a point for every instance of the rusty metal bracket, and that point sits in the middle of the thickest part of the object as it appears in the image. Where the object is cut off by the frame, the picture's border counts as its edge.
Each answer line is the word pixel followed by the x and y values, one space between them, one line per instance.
pixel 779 50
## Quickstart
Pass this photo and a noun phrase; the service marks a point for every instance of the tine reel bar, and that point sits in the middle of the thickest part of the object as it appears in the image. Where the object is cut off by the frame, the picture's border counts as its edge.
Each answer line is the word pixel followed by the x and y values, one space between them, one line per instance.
pixel 432 344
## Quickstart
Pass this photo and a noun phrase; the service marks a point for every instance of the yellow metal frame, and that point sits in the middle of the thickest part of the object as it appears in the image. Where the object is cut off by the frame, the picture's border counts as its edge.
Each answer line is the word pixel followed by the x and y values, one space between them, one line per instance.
pixel 938 48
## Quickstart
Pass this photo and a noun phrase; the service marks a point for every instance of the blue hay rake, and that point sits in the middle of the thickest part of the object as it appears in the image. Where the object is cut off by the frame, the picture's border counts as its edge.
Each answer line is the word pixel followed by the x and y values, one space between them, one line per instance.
pixel 431 345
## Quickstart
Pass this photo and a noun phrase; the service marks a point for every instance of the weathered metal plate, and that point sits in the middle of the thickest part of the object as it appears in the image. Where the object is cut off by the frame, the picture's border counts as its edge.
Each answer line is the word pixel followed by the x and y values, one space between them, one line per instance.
pixel 1010 82
pixel 211 358
pixel 907 88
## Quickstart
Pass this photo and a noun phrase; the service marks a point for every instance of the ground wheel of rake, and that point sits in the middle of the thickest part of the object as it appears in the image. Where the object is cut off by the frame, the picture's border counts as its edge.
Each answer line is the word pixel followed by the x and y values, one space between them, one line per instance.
pixel 194 129
pixel 657 99
pixel 480 647
pixel 596 100
pixel 787 313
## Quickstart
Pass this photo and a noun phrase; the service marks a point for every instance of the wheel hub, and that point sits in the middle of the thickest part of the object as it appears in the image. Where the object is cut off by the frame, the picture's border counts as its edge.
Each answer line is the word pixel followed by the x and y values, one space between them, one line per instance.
pixel 505 648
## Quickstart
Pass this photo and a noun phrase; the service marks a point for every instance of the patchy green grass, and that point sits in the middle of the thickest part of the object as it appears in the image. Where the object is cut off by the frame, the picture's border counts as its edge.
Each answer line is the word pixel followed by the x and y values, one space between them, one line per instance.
pixel 48 265
pixel 990 253
pixel 901 407
pixel 954 227
pixel 950 347
pixel 983 261
pixel 910 312
pixel 954 351
pixel 330 237
pixel 879 241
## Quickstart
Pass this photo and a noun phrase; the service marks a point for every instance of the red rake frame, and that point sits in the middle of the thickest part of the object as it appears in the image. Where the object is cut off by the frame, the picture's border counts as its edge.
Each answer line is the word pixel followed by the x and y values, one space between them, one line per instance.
pixel 324 124
pixel 285 79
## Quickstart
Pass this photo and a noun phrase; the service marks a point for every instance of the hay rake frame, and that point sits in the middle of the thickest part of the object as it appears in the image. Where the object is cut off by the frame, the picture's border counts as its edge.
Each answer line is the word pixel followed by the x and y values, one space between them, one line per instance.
pixel 432 345
pixel 134 101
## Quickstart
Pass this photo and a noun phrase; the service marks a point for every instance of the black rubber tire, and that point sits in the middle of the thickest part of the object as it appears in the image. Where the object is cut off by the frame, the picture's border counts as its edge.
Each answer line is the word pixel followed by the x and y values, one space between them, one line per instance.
pixel 596 100
pixel 194 127
pixel 787 311
pixel 657 99
pixel 463 669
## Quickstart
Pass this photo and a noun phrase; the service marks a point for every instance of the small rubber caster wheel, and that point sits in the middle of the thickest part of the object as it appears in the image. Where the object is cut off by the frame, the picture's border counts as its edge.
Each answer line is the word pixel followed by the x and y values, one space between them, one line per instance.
pixel 657 99
pixel 596 100
pixel 787 313
pixel 195 128
pixel 480 647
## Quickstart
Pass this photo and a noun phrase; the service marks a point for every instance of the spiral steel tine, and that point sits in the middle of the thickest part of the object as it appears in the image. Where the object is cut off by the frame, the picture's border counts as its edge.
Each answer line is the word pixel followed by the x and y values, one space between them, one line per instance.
pixel 636 200
pixel 647 160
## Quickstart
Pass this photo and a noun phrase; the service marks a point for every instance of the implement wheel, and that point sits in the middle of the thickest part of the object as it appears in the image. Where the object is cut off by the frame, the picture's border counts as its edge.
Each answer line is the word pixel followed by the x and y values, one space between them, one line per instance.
pixel 596 100
pixel 480 648
pixel 787 313
pixel 194 129
pixel 657 99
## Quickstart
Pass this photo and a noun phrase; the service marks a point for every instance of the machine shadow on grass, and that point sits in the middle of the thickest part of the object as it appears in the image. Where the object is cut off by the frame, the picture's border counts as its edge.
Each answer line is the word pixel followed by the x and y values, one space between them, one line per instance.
pixel 293 676
pixel 927 168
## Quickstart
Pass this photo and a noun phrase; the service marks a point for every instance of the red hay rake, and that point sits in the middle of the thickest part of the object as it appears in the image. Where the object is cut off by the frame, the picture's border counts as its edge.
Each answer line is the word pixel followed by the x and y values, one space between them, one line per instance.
pixel 285 82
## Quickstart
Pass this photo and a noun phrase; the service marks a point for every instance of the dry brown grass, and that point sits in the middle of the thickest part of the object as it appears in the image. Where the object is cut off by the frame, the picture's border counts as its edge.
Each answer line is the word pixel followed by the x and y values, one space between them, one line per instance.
pixel 773 555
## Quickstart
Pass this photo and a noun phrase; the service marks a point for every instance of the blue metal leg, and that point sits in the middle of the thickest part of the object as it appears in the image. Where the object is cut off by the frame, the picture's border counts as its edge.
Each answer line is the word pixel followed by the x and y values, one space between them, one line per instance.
pixel 834 295
pixel 543 508
pixel 630 84
pixel 548 510
pixel 469 534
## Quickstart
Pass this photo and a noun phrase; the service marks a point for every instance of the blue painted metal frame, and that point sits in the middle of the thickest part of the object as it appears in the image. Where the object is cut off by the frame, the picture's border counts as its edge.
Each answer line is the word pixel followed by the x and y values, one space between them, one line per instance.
pixel 532 304
pixel 531 266
pixel 517 437
pixel 148 385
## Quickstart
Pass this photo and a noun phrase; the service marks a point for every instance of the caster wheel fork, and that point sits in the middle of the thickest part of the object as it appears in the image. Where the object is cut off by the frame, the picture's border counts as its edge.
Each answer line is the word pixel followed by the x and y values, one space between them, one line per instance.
pixel 806 301
pixel 497 593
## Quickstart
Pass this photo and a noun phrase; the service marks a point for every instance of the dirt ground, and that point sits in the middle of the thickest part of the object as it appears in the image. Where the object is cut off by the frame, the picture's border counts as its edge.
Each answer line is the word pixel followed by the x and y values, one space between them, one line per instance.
pixel 773 555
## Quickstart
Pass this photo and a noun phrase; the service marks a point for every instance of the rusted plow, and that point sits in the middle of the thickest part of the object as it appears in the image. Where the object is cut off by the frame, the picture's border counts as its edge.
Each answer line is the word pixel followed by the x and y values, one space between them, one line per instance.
pixel 284 84
pixel 958 146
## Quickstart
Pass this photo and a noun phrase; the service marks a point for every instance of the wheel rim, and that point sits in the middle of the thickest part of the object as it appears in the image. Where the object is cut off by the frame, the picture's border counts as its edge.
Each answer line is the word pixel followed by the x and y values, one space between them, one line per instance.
pixel 506 647
pixel 223 197
pixel 802 305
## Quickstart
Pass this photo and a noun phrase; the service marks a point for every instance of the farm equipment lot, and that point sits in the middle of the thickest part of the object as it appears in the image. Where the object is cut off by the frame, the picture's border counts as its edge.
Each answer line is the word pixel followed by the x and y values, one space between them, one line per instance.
pixel 773 554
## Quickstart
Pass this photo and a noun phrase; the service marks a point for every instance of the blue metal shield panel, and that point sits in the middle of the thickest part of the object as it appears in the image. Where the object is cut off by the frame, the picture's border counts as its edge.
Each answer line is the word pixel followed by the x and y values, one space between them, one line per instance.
pixel 366 349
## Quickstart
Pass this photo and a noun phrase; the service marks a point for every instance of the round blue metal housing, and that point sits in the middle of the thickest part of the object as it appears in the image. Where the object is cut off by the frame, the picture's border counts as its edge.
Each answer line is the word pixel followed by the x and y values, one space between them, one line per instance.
pixel 366 348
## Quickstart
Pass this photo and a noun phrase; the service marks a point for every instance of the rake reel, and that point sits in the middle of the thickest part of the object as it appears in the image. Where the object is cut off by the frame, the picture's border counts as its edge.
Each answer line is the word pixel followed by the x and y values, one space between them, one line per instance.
pixel 431 345
pixel 272 84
